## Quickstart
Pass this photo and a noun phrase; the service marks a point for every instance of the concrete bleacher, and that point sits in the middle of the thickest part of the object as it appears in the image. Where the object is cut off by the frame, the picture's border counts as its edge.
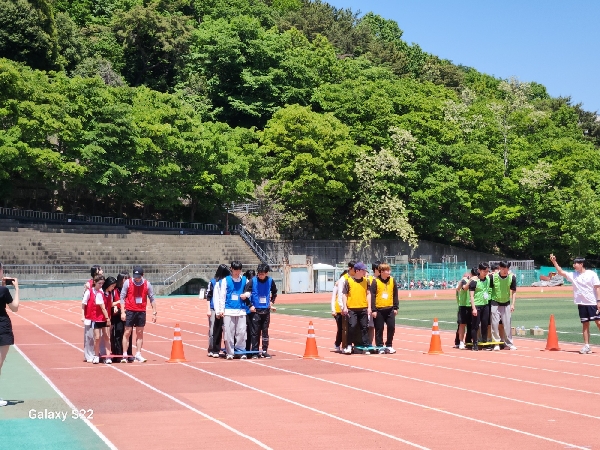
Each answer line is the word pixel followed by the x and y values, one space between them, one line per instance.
pixel 95 245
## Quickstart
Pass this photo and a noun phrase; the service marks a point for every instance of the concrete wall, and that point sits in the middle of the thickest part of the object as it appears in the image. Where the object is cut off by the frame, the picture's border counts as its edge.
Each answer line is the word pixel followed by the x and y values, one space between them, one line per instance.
pixel 337 251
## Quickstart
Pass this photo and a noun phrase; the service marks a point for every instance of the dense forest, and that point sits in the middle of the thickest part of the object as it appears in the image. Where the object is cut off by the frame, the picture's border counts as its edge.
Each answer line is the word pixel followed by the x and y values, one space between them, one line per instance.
pixel 173 109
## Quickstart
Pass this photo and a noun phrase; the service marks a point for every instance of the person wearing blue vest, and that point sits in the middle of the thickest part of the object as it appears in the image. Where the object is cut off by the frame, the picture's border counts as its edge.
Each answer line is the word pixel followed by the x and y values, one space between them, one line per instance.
pixel 230 305
pixel 249 274
pixel 262 292
pixel 215 324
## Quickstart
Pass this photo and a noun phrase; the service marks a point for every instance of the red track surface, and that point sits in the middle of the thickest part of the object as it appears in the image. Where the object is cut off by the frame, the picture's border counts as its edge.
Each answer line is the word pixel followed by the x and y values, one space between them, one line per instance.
pixel 409 399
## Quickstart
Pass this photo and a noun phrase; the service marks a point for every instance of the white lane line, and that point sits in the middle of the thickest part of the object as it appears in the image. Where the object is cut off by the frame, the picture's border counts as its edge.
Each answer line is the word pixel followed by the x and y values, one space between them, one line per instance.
pixel 373 430
pixel 462 417
pixel 176 400
pixel 66 400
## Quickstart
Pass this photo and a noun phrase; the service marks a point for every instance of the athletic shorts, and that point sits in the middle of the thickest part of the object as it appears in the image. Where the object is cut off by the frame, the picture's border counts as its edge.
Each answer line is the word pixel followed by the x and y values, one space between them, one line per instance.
pixel 135 318
pixel 6 333
pixel 464 315
pixel 587 313
pixel 99 325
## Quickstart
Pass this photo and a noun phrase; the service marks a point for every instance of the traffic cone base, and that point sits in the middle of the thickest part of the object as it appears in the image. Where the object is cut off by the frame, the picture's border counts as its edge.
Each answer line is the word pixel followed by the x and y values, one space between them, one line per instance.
pixel 552 342
pixel 311 351
pixel 435 346
pixel 177 355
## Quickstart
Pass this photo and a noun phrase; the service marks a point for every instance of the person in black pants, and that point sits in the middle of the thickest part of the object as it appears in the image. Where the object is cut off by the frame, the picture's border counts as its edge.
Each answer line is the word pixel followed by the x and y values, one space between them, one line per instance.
pixel 480 290
pixel 384 307
pixel 118 326
pixel 262 292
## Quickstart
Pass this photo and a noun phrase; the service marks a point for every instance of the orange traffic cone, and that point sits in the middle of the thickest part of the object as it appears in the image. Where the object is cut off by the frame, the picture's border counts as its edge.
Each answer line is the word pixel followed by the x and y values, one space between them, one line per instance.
pixel 552 342
pixel 311 351
pixel 435 347
pixel 177 348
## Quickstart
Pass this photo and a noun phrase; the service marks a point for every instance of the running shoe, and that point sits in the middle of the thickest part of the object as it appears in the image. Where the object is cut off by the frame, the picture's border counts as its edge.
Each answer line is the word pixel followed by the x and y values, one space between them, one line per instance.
pixel 107 361
pixel 496 348
pixel 461 346
pixel 243 357
pixel 366 352
pixel 139 357
pixel 3 402
pixel 512 347
pixel 229 357
pixel 347 350
pixel 210 354
pixel 585 350
pixel 124 359
pixel 255 356
pixel 96 360
pixel 390 350
pixel 475 348
pixel 337 348
pixel 382 351
pixel 265 355
pixel 215 355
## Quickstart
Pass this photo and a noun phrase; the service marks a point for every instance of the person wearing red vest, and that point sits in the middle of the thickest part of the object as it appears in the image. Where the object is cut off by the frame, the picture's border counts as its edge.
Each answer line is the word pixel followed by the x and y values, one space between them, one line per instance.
pixel 118 326
pixel 94 304
pixel 134 301
pixel 86 318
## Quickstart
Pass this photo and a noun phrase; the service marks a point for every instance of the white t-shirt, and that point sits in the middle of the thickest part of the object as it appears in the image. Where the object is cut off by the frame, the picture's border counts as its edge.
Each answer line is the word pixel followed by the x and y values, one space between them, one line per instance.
pixel 99 300
pixel 583 286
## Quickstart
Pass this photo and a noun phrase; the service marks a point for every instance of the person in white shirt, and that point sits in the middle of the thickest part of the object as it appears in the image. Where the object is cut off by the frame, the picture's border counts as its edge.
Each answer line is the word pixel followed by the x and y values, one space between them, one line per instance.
pixel 586 295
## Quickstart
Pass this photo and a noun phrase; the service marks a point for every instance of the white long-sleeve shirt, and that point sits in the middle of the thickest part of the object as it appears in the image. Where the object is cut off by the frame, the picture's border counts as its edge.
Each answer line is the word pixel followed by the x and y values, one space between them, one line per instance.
pixel 336 296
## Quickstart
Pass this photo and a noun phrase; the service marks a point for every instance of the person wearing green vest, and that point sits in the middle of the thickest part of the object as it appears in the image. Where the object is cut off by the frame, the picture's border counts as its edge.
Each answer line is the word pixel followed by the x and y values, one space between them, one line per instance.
pixel 464 308
pixel 504 294
pixel 480 290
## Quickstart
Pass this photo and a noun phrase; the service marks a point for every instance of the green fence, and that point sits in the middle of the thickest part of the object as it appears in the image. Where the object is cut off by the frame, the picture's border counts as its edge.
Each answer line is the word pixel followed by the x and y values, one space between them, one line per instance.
pixel 421 275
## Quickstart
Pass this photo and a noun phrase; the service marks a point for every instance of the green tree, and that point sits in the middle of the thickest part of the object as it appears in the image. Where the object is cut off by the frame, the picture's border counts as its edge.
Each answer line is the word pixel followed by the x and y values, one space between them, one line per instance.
pixel 28 33
pixel 309 160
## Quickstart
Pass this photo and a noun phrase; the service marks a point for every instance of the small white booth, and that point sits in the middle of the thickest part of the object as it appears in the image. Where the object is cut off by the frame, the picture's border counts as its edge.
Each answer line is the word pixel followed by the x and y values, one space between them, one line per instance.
pixel 324 276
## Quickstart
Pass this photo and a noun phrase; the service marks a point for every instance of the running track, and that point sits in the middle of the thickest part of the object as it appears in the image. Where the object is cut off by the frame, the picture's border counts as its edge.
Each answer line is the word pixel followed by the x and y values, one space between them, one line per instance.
pixel 406 400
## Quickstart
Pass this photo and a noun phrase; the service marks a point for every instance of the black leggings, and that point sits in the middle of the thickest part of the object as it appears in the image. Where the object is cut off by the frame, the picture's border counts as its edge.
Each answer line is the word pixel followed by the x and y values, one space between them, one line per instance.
pixel 385 317
pixel 483 318
pixel 117 330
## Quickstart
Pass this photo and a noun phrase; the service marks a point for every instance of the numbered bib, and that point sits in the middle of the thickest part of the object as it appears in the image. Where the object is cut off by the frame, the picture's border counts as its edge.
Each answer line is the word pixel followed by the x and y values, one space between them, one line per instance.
pixel 384 295
pixel 485 295
pixel 138 300
pixel 235 297
pixel 262 300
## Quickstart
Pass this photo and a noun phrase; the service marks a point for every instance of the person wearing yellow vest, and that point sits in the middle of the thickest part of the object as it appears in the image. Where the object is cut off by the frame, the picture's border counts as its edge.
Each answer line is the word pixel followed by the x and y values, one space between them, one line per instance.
pixel 336 310
pixel 384 306
pixel 504 295
pixel 480 290
pixel 371 278
pixel 356 301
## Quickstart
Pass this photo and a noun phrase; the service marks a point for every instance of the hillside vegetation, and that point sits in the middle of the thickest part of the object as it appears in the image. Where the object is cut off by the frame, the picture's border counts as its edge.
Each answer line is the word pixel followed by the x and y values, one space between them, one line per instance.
pixel 175 108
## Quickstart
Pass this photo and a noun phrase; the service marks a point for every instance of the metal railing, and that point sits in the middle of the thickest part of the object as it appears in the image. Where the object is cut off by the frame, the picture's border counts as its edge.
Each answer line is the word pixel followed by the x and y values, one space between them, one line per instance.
pixel 252 207
pixel 249 239
pixel 116 221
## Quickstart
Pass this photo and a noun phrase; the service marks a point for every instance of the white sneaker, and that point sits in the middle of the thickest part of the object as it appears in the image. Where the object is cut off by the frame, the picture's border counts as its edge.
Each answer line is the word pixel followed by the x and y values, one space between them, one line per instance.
pixel 243 357
pixel 337 348
pixel 461 346
pixel 496 348
pixel 366 352
pixel 390 350
pixel 3 402
pixel 347 350
pixel 585 349
pixel 229 357
pixel 96 360
pixel 210 354
pixel 512 347
pixel 382 350
pixel 215 355
pixel 89 360
pixel 139 357
pixel 124 359
pixel 107 361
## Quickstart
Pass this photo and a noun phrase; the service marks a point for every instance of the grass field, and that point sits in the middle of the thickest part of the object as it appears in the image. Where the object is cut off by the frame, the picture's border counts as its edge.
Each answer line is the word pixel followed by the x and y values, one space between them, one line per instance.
pixel 528 313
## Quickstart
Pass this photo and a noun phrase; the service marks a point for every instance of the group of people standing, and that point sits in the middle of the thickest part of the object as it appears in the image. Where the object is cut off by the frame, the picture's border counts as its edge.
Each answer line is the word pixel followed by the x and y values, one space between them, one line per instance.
pixel 111 308
pixel 239 310
pixel 362 306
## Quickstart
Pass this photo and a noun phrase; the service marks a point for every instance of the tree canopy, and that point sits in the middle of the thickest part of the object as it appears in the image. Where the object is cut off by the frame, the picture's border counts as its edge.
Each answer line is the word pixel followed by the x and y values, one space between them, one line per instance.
pixel 174 109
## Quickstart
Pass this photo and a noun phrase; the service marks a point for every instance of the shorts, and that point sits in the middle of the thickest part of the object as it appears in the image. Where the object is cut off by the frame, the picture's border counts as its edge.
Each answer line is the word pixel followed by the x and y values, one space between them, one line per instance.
pixel 6 333
pixel 99 325
pixel 135 319
pixel 464 315
pixel 587 313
